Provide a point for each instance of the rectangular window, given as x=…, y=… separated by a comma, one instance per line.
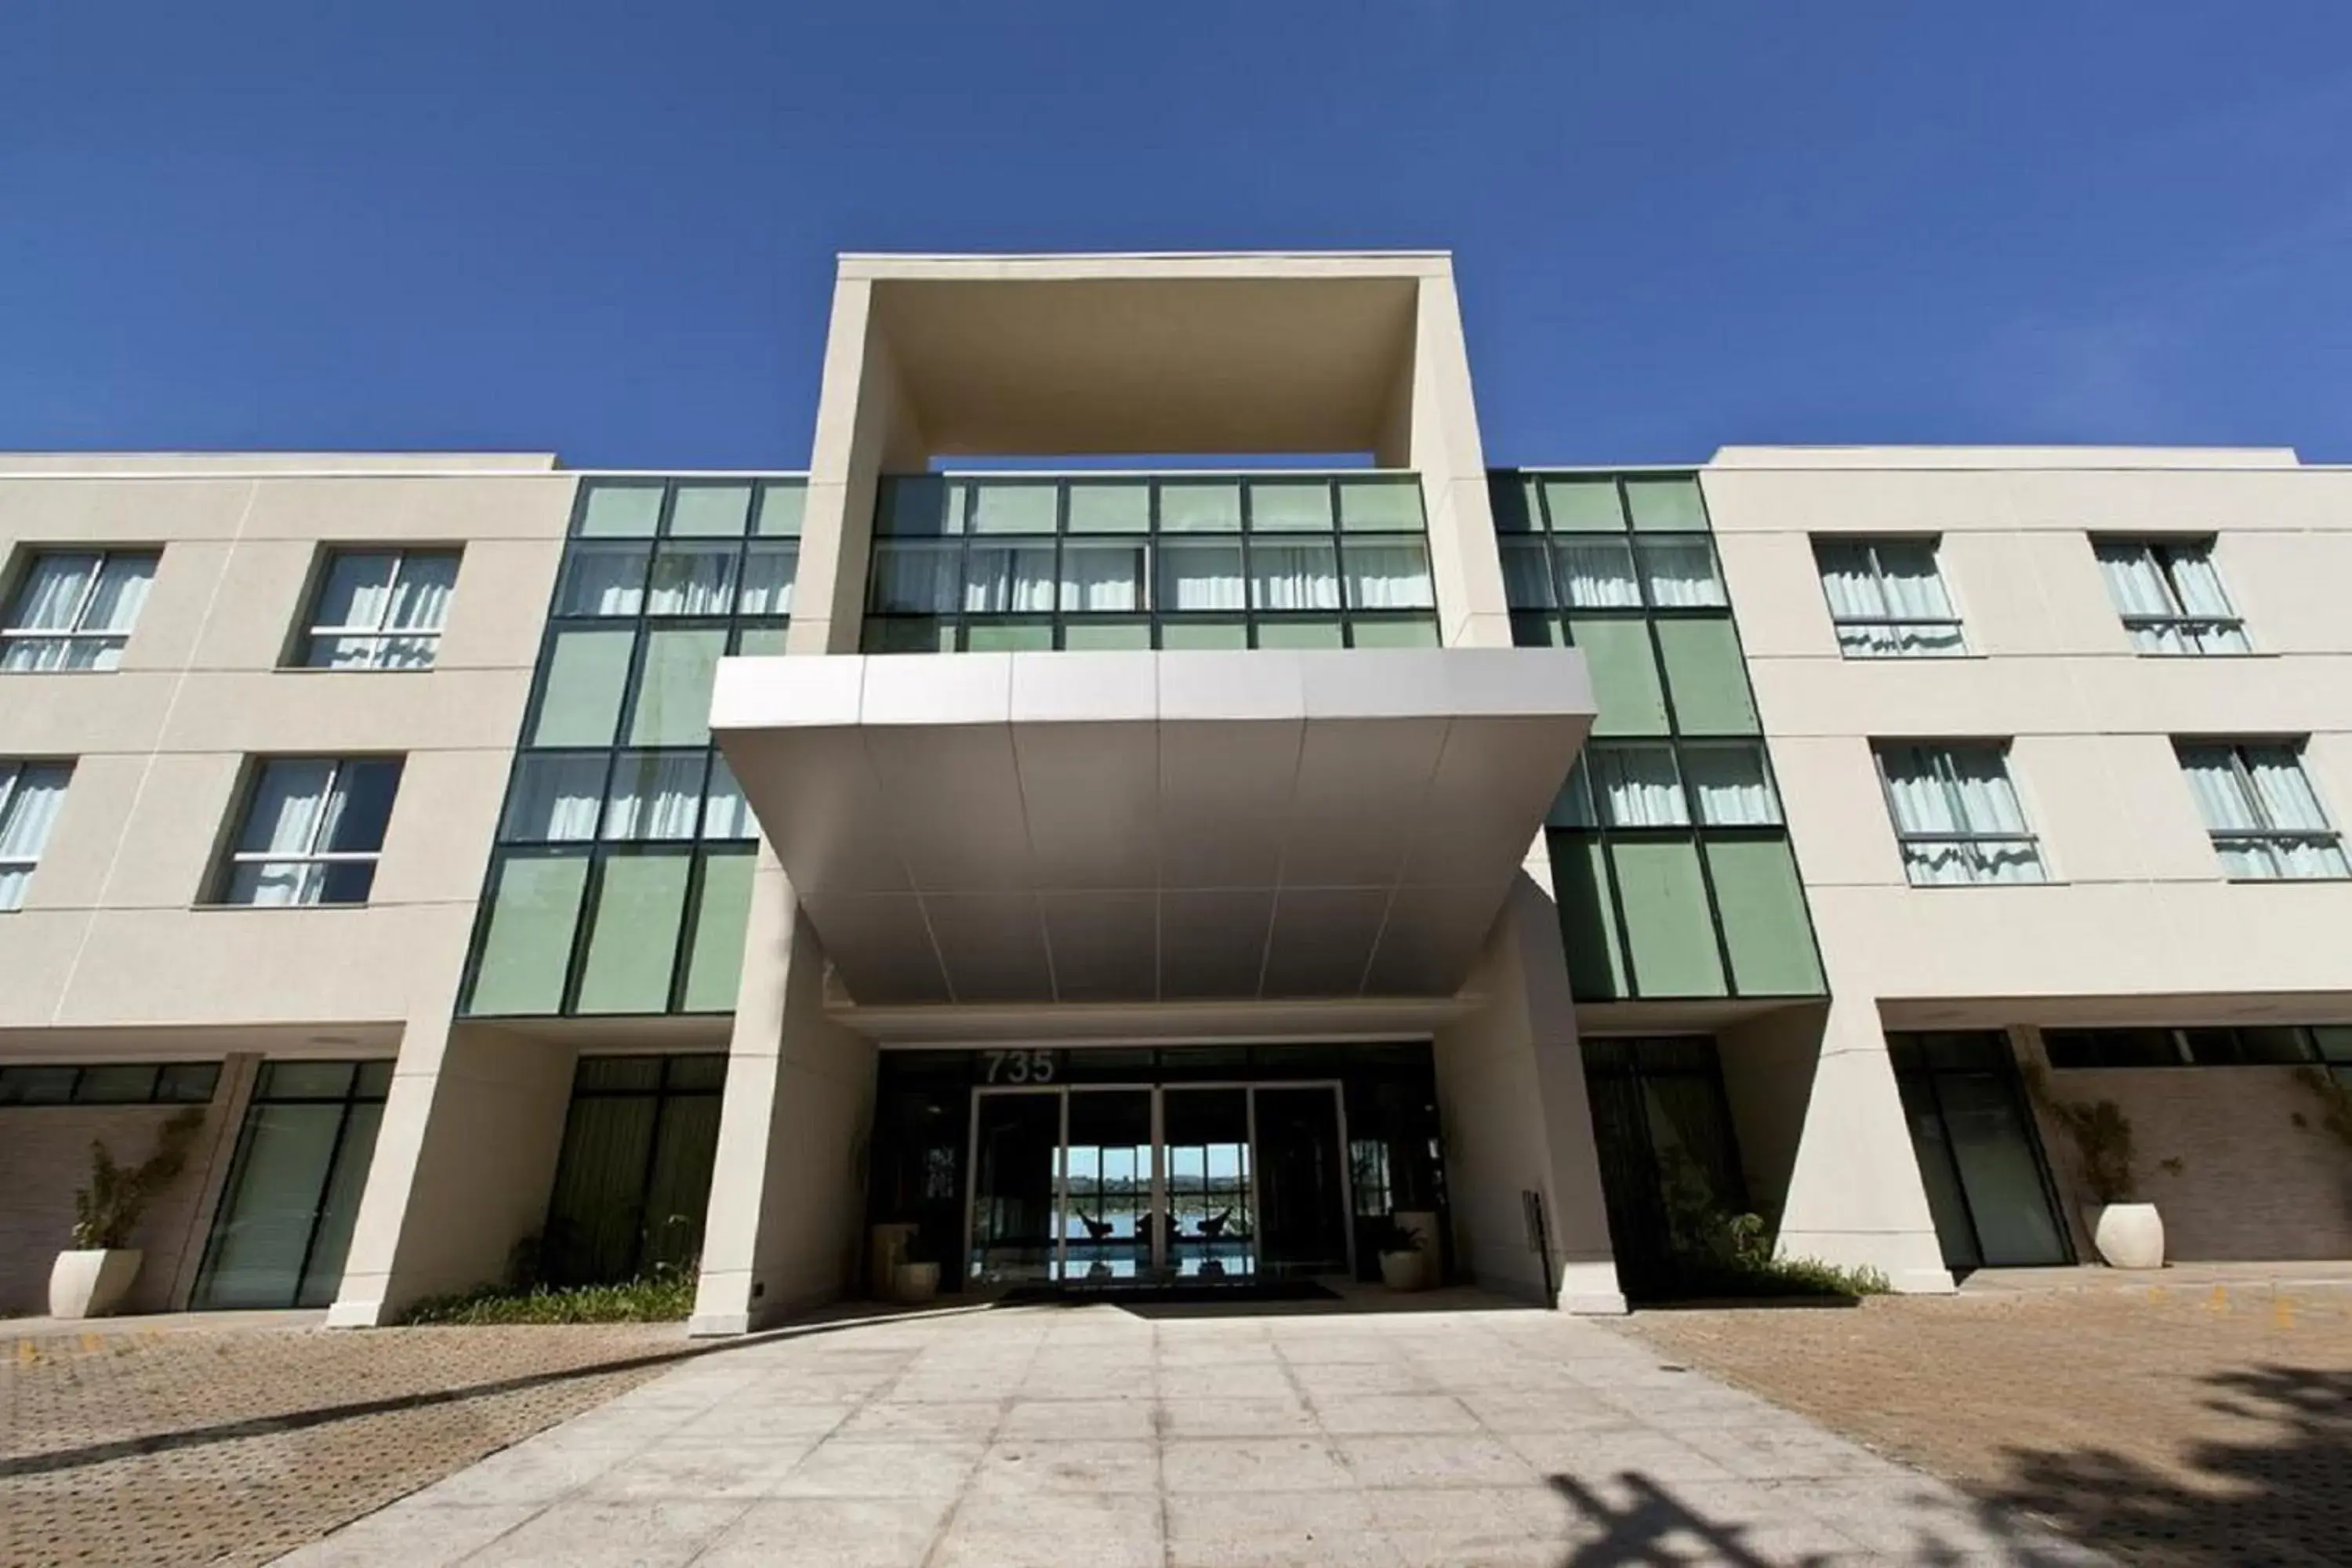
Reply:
x=2259, y=1045
x=379, y=609
x=75, y=609
x=2169, y=596
x=2265, y=818
x=1955, y=813
x=31, y=794
x=110, y=1083
x=312, y=830
x=1886, y=598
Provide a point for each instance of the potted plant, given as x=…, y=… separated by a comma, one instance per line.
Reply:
x=1403, y=1268
x=914, y=1277
x=91, y=1279
x=2127, y=1233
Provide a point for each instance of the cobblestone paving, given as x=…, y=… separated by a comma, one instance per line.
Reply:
x=2206, y=1426
x=123, y=1446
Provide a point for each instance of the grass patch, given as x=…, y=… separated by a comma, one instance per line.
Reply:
x=665, y=1298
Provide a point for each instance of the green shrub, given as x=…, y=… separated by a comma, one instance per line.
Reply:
x=667, y=1296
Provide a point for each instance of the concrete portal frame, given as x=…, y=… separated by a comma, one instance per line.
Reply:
x=939, y=357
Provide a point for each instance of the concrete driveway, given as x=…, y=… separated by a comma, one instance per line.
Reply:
x=1096, y=1435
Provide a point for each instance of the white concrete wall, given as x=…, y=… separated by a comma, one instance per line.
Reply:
x=2137, y=920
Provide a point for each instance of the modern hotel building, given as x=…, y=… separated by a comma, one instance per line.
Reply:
x=1121, y=875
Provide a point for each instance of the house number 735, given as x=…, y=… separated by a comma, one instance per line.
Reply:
x=1020, y=1066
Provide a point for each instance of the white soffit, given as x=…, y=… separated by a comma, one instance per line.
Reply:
x=1138, y=827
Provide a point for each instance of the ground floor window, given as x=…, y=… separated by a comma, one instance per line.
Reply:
x=632, y=1182
x=284, y=1223
x=1670, y=1172
x=1988, y=1185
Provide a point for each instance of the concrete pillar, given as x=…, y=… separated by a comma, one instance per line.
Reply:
x=1510, y=1087
x=464, y=1162
x=1823, y=1137
x=788, y=1190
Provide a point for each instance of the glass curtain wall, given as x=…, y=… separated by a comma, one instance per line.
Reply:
x=284, y=1223
x=1670, y=860
x=623, y=875
x=1670, y=1172
x=977, y=564
x=1988, y=1185
x=632, y=1182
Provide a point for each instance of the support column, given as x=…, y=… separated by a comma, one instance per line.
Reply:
x=1510, y=1086
x=788, y=1189
x=464, y=1159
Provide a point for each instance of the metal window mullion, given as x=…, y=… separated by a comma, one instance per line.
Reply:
x=10, y=773
x=2244, y=776
x=89, y=592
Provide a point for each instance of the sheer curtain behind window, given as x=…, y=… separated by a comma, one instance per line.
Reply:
x=2266, y=820
x=1009, y=580
x=1102, y=578
x=918, y=579
x=1680, y=574
x=1733, y=785
x=555, y=799
x=1200, y=577
x=1638, y=786
x=30, y=796
x=1597, y=573
x=1958, y=816
x=1294, y=577
x=1388, y=577
x=1887, y=598
x=290, y=801
x=655, y=795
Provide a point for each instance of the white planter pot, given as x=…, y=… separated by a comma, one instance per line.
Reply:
x=2128, y=1235
x=1402, y=1270
x=92, y=1284
x=915, y=1282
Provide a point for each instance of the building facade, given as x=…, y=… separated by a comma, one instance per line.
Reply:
x=1160, y=873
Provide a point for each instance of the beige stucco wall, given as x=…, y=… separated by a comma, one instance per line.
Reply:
x=2137, y=924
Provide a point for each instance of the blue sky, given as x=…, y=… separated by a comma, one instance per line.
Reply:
x=607, y=229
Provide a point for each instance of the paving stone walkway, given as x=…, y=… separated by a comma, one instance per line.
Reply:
x=123, y=1443
x=1096, y=1435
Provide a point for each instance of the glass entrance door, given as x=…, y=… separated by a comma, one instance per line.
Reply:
x=1110, y=1172
x=1016, y=1209
x=1212, y=1228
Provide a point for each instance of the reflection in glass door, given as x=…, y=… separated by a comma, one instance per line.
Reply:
x=1302, y=1198
x=1988, y=1190
x=1212, y=1226
x=1017, y=1143
x=1109, y=1175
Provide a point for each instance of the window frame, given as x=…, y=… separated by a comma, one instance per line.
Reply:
x=2162, y=552
x=231, y=857
x=1947, y=779
x=73, y=631
x=1870, y=544
x=159, y=1073
x=12, y=773
x=2181, y=1053
x=312, y=633
x=2269, y=835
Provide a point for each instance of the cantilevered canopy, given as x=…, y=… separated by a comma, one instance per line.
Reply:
x=1152, y=826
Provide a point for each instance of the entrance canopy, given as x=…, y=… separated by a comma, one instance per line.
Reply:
x=1140, y=826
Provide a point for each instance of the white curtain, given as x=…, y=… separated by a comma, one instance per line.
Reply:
x=30, y=796
x=1681, y=573
x=725, y=815
x=1009, y=580
x=421, y=603
x=1887, y=598
x=2257, y=817
x=1597, y=575
x=1638, y=786
x=604, y=580
x=1389, y=578
x=655, y=795
x=1294, y=577
x=1527, y=575
x=768, y=573
x=1102, y=578
x=293, y=811
x=357, y=591
x=52, y=594
x=1733, y=785
x=918, y=579
x=2139, y=586
x=2199, y=585
x=1961, y=790
x=555, y=799
x=692, y=580
x=1200, y=577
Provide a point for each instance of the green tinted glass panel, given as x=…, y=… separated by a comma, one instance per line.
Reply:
x=1279, y=506
x=1704, y=674
x=1106, y=634
x=373, y=1081
x=115, y=1085
x=1300, y=634
x=782, y=501
x=634, y=937
x=586, y=672
x=1008, y=636
x=304, y=1080
x=916, y=505
x=1667, y=505
x=710, y=511
x=528, y=946
x=908, y=634
x=1763, y=912
x=1528, y=630
x=1014, y=506
x=1583, y=506
x=1199, y=507
x=1667, y=926
x=1513, y=501
x=756, y=640
x=1588, y=923
x=1624, y=674
x=620, y=509
x=714, y=961
x=673, y=701
x=1421, y=633
x=1191, y=632
x=1110, y=506
x=1385, y=506
x=617, y=1075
